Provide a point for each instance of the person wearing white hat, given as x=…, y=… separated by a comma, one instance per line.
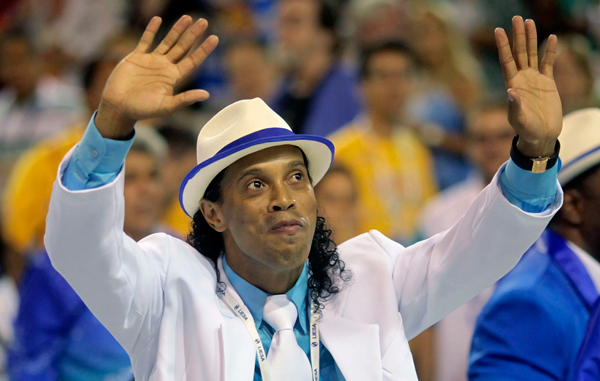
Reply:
x=259, y=291
x=534, y=323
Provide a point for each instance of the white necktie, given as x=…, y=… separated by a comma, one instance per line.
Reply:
x=287, y=361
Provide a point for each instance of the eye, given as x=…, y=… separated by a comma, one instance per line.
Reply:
x=297, y=176
x=255, y=184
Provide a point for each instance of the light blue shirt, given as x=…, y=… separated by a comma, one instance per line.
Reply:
x=255, y=299
x=97, y=161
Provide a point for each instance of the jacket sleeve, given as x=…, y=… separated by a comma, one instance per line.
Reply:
x=435, y=276
x=518, y=338
x=120, y=280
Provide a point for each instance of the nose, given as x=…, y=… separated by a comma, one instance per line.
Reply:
x=282, y=198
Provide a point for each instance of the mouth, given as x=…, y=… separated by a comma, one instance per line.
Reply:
x=287, y=226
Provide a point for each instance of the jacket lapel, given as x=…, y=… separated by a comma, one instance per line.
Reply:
x=354, y=346
x=239, y=354
x=572, y=267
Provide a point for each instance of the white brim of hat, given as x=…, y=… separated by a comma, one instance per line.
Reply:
x=319, y=152
x=578, y=165
x=580, y=143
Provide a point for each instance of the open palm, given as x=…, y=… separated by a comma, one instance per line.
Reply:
x=534, y=109
x=142, y=85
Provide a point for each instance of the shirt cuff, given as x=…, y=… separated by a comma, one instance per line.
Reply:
x=531, y=192
x=96, y=161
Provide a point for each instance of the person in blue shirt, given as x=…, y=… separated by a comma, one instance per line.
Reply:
x=256, y=229
x=318, y=93
x=533, y=325
x=56, y=335
x=587, y=364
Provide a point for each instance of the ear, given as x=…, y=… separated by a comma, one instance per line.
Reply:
x=213, y=215
x=573, y=207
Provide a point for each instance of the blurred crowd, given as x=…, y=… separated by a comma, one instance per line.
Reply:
x=410, y=92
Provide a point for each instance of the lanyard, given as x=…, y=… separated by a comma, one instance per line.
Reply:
x=240, y=310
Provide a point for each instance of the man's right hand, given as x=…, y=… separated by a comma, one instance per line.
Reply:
x=142, y=85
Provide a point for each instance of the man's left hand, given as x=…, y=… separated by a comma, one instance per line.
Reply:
x=534, y=109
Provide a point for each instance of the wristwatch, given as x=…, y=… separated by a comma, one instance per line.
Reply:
x=534, y=164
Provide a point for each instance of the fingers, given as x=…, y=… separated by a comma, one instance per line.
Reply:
x=532, y=44
x=519, y=43
x=524, y=53
x=509, y=68
x=547, y=67
x=187, y=98
x=167, y=43
x=195, y=59
x=148, y=36
x=188, y=40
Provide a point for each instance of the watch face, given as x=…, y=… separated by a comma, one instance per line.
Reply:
x=539, y=165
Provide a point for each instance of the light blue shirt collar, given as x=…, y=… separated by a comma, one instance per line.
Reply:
x=255, y=298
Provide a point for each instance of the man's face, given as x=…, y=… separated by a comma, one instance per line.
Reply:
x=298, y=31
x=490, y=136
x=337, y=198
x=143, y=194
x=250, y=72
x=94, y=92
x=268, y=210
x=572, y=82
x=431, y=39
x=383, y=22
x=19, y=67
x=174, y=169
x=387, y=83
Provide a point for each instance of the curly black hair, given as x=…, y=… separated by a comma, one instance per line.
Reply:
x=324, y=263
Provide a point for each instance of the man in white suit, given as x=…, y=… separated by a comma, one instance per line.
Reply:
x=259, y=292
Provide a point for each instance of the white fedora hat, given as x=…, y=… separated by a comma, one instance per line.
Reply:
x=241, y=129
x=579, y=143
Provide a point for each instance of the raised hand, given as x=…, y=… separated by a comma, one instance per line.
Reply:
x=534, y=109
x=142, y=85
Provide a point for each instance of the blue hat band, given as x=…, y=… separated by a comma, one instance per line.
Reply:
x=265, y=133
x=579, y=158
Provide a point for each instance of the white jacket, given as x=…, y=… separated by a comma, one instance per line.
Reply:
x=157, y=297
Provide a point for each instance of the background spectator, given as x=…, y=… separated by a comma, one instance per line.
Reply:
x=179, y=160
x=450, y=87
x=10, y=270
x=488, y=141
x=31, y=108
x=56, y=336
x=337, y=197
x=27, y=192
x=391, y=165
x=534, y=323
x=76, y=28
x=572, y=70
x=587, y=365
x=317, y=95
x=250, y=71
x=379, y=20
x=489, y=137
